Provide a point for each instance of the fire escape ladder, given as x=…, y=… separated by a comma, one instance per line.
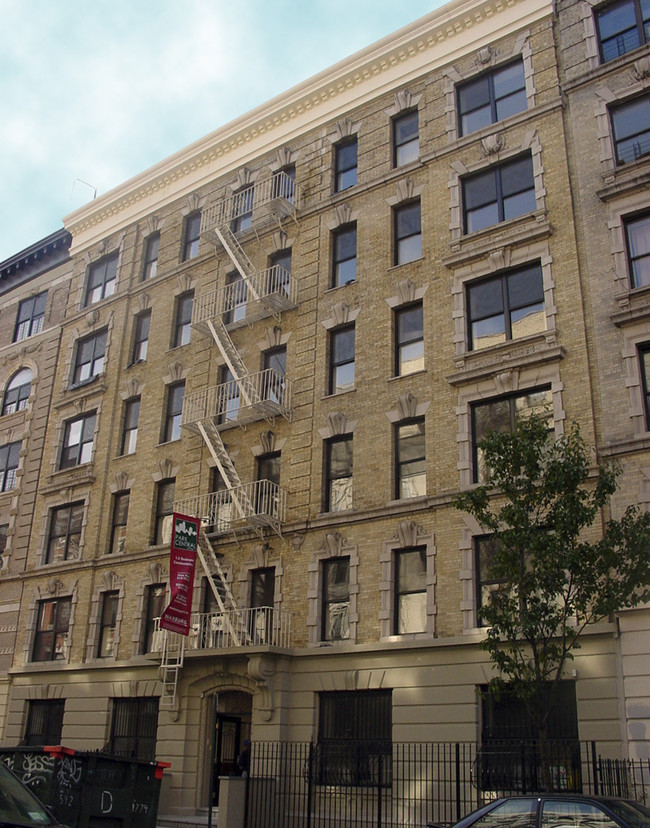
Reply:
x=171, y=662
x=247, y=389
x=237, y=255
x=233, y=617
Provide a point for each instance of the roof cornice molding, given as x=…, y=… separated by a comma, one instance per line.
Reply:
x=433, y=41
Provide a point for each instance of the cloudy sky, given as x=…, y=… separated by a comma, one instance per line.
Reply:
x=93, y=92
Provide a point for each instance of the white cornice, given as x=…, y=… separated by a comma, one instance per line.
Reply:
x=433, y=41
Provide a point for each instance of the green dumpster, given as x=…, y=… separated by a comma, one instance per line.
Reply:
x=90, y=790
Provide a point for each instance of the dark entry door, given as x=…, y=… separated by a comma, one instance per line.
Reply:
x=227, y=749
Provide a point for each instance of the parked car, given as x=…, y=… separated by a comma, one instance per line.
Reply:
x=558, y=811
x=18, y=805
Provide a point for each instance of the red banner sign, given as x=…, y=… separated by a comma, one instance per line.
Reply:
x=182, y=562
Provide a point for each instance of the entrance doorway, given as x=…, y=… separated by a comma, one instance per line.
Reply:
x=232, y=725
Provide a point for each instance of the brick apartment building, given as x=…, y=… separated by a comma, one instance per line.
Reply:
x=298, y=328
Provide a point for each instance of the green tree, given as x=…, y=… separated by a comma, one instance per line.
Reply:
x=559, y=563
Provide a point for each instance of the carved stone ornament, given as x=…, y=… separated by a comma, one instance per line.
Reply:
x=262, y=671
x=333, y=544
x=337, y=422
x=640, y=69
x=91, y=318
x=493, y=144
x=406, y=291
x=484, y=55
x=341, y=313
x=405, y=189
x=267, y=441
x=343, y=214
x=506, y=382
x=407, y=533
x=499, y=259
x=273, y=336
x=283, y=157
x=407, y=405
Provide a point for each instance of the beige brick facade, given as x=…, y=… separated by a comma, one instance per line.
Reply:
x=582, y=356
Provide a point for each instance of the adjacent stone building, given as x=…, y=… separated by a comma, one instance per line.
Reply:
x=298, y=328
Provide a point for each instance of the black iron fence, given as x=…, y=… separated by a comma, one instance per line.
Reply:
x=383, y=785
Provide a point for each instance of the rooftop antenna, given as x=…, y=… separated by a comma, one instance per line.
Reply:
x=81, y=181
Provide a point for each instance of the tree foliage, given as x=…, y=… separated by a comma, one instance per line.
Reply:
x=559, y=563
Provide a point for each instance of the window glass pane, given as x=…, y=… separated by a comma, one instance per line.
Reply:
x=411, y=358
x=508, y=79
x=409, y=249
x=517, y=176
x=579, y=814
x=340, y=495
x=480, y=190
x=519, y=812
x=412, y=613
x=519, y=204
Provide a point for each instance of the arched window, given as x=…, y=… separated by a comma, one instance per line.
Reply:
x=17, y=392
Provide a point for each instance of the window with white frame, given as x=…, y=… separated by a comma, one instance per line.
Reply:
x=64, y=535
x=31, y=314
x=491, y=97
x=89, y=358
x=102, y=276
x=501, y=192
x=17, y=392
x=78, y=436
x=631, y=129
x=506, y=306
x=335, y=599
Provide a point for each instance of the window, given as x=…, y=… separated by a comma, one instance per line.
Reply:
x=44, y=722
x=242, y=209
x=338, y=474
x=236, y=298
x=130, y=432
x=268, y=469
x=355, y=737
x=262, y=603
x=51, y=639
x=485, y=548
x=9, y=459
x=335, y=596
x=64, y=537
x=410, y=459
x=89, y=358
x=155, y=603
x=151, y=248
x=228, y=396
x=134, y=727
x=141, y=337
x=183, y=322
x=222, y=509
x=406, y=139
x=164, y=511
x=101, y=279
x=408, y=233
x=622, y=26
x=17, y=392
x=345, y=165
x=344, y=256
x=118, y=522
x=4, y=529
x=631, y=129
x=410, y=590
x=275, y=360
x=509, y=758
x=409, y=340
x=341, y=360
x=31, y=314
x=283, y=183
x=491, y=96
x=500, y=193
x=280, y=263
x=506, y=307
x=174, y=413
x=501, y=415
x=637, y=233
x=192, y=235
x=107, y=625
x=78, y=441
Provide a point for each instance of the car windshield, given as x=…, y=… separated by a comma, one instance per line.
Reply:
x=18, y=806
x=635, y=814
